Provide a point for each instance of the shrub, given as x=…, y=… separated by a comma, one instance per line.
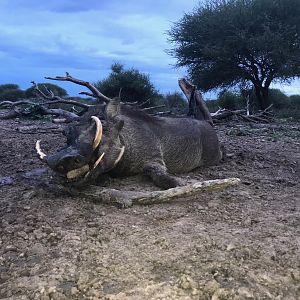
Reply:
x=8, y=86
x=12, y=95
x=213, y=105
x=134, y=85
x=279, y=99
x=176, y=103
x=295, y=101
x=229, y=100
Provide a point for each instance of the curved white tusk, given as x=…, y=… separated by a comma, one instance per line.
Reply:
x=120, y=155
x=98, y=160
x=39, y=151
x=95, y=165
x=98, y=134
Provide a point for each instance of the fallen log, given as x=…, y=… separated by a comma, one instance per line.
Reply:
x=128, y=198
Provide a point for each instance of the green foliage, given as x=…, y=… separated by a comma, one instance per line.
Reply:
x=229, y=42
x=57, y=90
x=10, y=92
x=295, y=101
x=278, y=99
x=230, y=100
x=133, y=85
x=212, y=105
x=176, y=103
x=8, y=86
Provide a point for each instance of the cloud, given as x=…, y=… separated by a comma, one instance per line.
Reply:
x=41, y=38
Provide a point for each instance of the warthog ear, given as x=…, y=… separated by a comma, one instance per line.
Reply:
x=113, y=108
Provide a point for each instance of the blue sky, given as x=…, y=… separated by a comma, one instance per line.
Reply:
x=47, y=38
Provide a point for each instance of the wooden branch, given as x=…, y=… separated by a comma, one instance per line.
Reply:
x=69, y=116
x=87, y=94
x=66, y=115
x=72, y=102
x=56, y=99
x=12, y=104
x=143, y=103
x=93, y=89
x=129, y=198
x=152, y=107
x=195, y=98
x=165, y=113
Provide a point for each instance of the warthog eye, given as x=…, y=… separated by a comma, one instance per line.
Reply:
x=60, y=168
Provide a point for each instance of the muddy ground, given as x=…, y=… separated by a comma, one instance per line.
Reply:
x=239, y=243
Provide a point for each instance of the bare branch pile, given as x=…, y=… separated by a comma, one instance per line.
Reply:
x=43, y=105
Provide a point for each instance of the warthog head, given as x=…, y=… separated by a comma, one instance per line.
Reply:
x=92, y=149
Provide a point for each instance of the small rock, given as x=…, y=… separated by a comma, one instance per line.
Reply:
x=230, y=247
x=248, y=221
x=29, y=195
x=212, y=286
x=23, y=235
x=186, y=282
x=11, y=248
x=39, y=234
x=74, y=291
x=221, y=294
x=51, y=289
x=245, y=293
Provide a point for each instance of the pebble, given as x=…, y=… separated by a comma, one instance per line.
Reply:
x=11, y=248
x=74, y=291
x=245, y=293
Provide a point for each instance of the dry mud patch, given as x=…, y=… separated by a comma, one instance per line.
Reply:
x=240, y=243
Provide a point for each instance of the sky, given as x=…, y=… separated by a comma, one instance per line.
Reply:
x=48, y=38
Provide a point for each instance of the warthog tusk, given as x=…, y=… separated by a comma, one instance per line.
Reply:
x=98, y=134
x=95, y=165
x=120, y=155
x=98, y=160
x=39, y=151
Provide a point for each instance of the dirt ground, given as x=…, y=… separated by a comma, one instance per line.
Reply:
x=239, y=243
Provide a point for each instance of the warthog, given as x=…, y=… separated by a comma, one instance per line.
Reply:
x=128, y=141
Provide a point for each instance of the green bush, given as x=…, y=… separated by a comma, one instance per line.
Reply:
x=279, y=99
x=229, y=100
x=212, y=105
x=57, y=90
x=288, y=113
x=133, y=85
x=295, y=101
x=176, y=103
x=8, y=86
x=12, y=95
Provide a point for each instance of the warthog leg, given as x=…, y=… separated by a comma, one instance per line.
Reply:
x=160, y=176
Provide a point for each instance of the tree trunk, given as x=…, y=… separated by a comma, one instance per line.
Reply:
x=262, y=96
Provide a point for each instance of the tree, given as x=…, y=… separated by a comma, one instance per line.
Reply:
x=176, y=103
x=10, y=92
x=230, y=100
x=57, y=90
x=8, y=86
x=131, y=84
x=229, y=42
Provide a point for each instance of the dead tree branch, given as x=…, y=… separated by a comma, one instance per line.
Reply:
x=264, y=116
x=93, y=89
x=129, y=198
x=153, y=107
